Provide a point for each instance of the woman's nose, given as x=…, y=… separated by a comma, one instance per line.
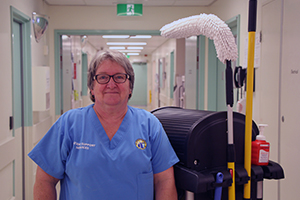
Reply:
x=111, y=83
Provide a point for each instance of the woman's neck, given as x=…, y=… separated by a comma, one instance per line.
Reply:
x=110, y=113
x=110, y=119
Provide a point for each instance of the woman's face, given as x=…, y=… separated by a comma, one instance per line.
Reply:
x=111, y=93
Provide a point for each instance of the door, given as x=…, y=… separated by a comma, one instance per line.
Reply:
x=221, y=89
x=67, y=74
x=18, y=101
x=172, y=74
x=159, y=81
x=139, y=95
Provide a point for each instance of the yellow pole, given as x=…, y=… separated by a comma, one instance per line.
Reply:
x=249, y=96
x=249, y=103
x=231, y=189
x=150, y=96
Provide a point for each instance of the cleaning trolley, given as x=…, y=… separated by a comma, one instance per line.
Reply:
x=213, y=145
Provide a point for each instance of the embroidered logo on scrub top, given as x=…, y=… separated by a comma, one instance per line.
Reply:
x=141, y=144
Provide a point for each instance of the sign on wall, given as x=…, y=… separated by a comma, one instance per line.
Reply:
x=129, y=9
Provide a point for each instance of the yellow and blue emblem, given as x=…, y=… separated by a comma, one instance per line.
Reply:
x=141, y=144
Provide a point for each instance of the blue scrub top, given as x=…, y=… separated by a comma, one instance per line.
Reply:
x=77, y=151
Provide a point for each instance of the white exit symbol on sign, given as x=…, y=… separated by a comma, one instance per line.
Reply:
x=130, y=9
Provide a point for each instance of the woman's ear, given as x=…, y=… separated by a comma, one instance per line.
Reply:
x=130, y=93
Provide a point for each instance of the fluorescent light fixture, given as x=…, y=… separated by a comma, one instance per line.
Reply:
x=116, y=47
x=133, y=54
x=140, y=36
x=130, y=50
x=115, y=36
x=135, y=47
x=126, y=43
x=64, y=37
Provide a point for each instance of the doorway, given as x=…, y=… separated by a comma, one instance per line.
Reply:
x=139, y=96
x=57, y=53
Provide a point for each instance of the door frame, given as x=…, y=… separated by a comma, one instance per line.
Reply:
x=18, y=16
x=26, y=101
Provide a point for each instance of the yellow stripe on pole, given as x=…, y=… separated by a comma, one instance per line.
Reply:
x=249, y=105
x=231, y=189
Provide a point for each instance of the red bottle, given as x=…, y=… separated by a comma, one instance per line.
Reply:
x=260, y=149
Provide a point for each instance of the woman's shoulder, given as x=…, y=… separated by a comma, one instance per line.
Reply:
x=139, y=111
x=77, y=112
x=142, y=113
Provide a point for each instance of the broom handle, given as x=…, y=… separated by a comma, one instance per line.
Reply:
x=249, y=97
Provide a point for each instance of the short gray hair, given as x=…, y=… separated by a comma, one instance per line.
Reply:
x=114, y=56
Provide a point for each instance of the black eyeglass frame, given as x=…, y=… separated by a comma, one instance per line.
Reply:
x=113, y=77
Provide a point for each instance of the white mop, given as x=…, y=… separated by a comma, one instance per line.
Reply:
x=208, y=25
x=218, y=31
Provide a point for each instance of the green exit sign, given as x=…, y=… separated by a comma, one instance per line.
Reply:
x=130, y=9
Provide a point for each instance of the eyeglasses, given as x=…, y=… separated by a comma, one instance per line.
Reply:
x=105, y=78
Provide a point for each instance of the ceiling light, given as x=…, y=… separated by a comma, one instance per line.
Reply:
x=141, y=36
x=126, y=43
x=64, y=37
x=115, y=36
x=130, y=50
x=135, y=47
x=133, y=54
x=116, y=47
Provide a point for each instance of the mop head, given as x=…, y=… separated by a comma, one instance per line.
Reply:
x=208, y=25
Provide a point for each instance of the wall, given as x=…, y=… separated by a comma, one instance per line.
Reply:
x=289, y=92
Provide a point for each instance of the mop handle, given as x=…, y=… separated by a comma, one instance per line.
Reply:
x=249, y=97
x=230, y=145
x=229, y=101
x=229, y=84
x=218, y=190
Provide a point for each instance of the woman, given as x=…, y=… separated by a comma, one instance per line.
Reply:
x=107, y=150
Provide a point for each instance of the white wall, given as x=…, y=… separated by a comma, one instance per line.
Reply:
x=289, y=103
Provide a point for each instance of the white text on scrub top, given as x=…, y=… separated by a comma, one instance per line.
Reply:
x=83, y=145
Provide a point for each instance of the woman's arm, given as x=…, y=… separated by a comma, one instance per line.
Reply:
x=164, y=185
x=44, y=187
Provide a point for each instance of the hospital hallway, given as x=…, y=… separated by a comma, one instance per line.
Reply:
x=47, y=46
